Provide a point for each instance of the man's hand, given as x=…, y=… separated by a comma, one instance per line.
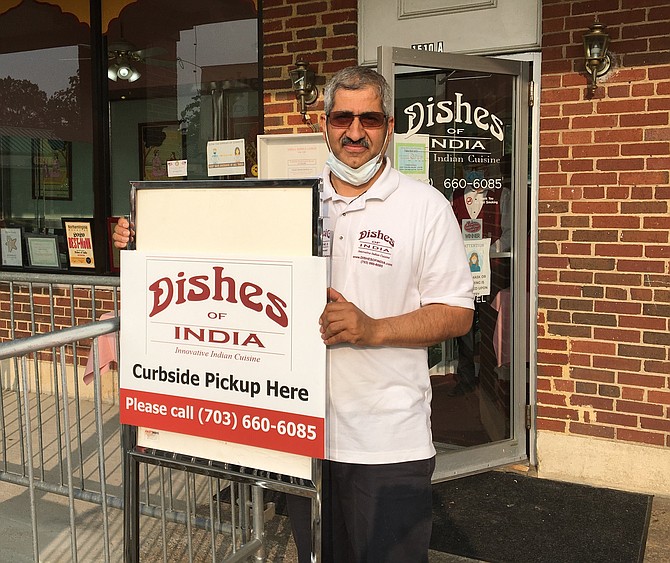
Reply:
x=342, y=321
x=122, y=233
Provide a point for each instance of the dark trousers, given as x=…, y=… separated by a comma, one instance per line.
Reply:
x=371, y=513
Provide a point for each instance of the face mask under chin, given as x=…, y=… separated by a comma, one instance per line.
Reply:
x=355, y=176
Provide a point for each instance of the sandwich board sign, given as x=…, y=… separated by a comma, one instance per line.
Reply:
x=221, y=355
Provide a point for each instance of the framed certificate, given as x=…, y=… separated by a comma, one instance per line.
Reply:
x=11, y=246
x=79, y=239
x=42, y=251
x=159, y=143
x=52, y=169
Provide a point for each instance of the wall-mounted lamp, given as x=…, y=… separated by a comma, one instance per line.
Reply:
x=303, y=83
x=122, y=68
x=598, y=60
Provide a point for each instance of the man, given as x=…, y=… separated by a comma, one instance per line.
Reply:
x=400, y=282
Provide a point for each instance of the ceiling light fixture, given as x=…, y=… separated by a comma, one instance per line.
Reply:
x=122, y=68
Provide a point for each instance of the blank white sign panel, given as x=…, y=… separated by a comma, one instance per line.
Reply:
x=269, y=221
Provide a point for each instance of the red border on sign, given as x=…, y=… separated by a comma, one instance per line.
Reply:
x=263, y=428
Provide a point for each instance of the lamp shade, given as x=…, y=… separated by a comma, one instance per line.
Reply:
x=595, y=43
x=112, y=72
x=302, y=80
x=123, y=69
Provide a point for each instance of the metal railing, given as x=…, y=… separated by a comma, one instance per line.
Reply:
x=113, y=501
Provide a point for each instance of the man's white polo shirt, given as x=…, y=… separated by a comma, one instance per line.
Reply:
x=393, y=249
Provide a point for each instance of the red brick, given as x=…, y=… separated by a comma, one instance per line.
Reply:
x=338, y=17
x=658, y=163
x=632, y=407
x=645, y=119
x=651, y=366
x=577, y=137
x=655, y=424
x=659, y=73
x=339, y=41
x=645, y=149
x=618, y=91
x=597, y=375
x=616, y=335
x=638, y=436
x=549, y=152
x=592, y=207
x=544, y=411
x=601, y=121
x=615, y=363
x=632, y=394
x=551, y=399
x=645, y=90
x=595, y=430
x=621, y=106
x=659, y=397
x=646, y=178
x=620, y=163
x=658, y=134
x=656, y=223
x=615, y=222
x=554, y=124
x=551, y=425
x=576, y=165
x=595, y=150
x=564, y=95
x=658, y=103
x=617, y=419
x=300, y=21
x=618, y=135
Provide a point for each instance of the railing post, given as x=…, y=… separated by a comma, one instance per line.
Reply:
x=131, y=496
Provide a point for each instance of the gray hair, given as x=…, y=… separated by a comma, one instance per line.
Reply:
x=355, y=78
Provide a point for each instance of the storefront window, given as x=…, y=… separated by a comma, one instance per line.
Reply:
x=193, y=79
x=85, y=111
x=45, y=130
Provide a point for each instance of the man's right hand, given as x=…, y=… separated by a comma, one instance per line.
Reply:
x=122, y=233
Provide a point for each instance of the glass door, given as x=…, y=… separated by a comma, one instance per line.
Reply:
x=461, y=124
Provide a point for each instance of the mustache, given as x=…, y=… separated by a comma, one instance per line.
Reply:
x=349, y=141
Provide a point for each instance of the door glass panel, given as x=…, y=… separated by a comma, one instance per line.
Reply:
x=455, y=129
x=45, y=127
x=192, y=77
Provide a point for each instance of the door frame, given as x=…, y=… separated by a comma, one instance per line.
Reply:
x=479, y=458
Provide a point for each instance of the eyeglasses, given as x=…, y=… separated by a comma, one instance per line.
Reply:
x=368, y=119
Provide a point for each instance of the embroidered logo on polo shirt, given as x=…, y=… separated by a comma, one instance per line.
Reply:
x=325, y=242
x=375, y=248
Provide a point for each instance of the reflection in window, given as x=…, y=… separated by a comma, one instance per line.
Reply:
x=45, y=119
x=198, y=82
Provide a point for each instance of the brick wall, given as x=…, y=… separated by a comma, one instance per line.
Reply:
x=40, y=309
x=320, y=32
x=604, y=222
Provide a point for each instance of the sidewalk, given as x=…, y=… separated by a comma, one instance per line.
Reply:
x=16, y=539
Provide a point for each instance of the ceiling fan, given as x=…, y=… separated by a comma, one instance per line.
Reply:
x=123, y=58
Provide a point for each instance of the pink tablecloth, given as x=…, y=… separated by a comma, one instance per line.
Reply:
x=106, y=353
